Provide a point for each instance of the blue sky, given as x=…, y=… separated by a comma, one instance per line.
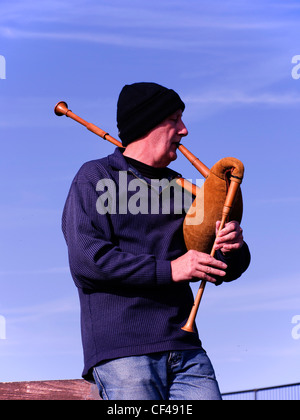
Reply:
x=231, y=62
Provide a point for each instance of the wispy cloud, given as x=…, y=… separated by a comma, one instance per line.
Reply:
x=266, y=295
x=293, y=200
x=49, y=327
x=244, y=98
x=234, y=41
x=116, y=39
x=232, y=15
x=37, y=312
x=41, y=271
x=158, y=25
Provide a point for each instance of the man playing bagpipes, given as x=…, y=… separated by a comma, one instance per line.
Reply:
x=131, y=265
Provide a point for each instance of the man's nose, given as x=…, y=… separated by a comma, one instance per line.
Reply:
x=182, y=130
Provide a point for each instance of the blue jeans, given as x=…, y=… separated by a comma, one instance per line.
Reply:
x=174, y=375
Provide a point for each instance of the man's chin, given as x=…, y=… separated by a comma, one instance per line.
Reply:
x=170, y=157
x=173, y=156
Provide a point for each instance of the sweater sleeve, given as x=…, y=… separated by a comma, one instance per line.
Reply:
x=96, y=262
x=237, y=263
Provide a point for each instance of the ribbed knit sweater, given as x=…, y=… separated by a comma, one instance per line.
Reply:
x=120, y=263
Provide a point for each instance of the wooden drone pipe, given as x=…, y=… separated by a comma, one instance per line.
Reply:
x=61, y=108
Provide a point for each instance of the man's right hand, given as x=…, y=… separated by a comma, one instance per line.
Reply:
x=195, y=266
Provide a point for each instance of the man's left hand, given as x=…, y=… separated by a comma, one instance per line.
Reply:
x=230, y=238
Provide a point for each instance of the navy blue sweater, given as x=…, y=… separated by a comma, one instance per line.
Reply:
x=120, y=264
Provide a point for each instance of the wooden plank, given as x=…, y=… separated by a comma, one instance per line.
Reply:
x=49, y=390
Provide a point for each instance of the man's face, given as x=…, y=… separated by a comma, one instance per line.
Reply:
x=166, y=138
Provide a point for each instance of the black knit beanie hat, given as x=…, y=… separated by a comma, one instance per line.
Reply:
x=142, y=106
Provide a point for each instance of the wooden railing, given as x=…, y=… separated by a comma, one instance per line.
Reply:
x=49, y=390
